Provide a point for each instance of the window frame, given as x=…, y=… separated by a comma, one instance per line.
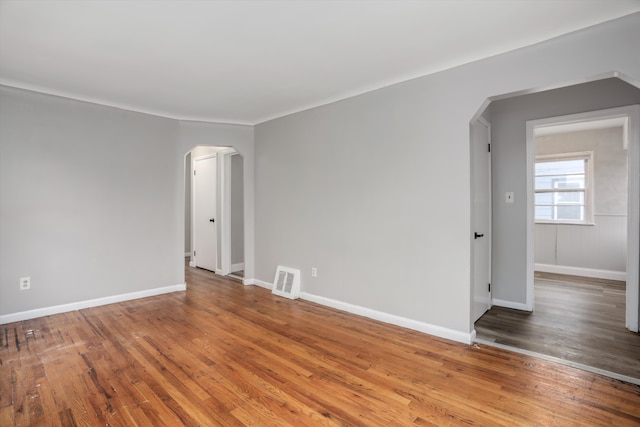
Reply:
x=587, y=157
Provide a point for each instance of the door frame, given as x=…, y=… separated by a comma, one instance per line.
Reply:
x=192, y=263
x=488, y=233
x=224, y=198
x=632, y=114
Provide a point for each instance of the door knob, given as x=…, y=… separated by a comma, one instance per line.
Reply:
x=212, y=220
x=477, y=235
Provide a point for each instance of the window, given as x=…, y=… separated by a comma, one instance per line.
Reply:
x=563, y=188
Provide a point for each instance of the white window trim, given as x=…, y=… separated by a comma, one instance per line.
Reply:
x=588, y=190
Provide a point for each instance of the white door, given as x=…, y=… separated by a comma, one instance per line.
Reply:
x=481, y=190
x=205, y=241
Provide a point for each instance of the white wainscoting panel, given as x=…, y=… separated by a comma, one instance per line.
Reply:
x=545, y=243
x=602, y=246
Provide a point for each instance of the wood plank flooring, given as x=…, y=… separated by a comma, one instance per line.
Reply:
x=225, y=354
x=577, y=319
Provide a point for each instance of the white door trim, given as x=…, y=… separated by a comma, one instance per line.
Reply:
x=632, y=113
x=225, y=213
x=490, y=224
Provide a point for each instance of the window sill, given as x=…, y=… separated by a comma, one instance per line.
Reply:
x=590, y=224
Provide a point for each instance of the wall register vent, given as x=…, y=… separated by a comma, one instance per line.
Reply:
x=287, y=282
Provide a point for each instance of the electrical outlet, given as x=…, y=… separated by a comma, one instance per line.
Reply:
x=25, y=283
x=314, y=272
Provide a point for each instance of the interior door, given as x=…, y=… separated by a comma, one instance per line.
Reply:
x=204, y=226
x=481, y=190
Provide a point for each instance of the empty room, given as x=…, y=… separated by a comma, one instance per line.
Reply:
x=300, y=213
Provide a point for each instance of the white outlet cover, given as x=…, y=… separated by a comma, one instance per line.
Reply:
x=508, y=197
x=25, y=283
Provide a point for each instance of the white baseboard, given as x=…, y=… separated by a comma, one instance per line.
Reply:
x=438, y=331
x=511, y=304
x=187, y=254
x=46, y=311
x=584, y=272
x=258, y=282
x=192, y=264
x=218, y=271
x=237, y=267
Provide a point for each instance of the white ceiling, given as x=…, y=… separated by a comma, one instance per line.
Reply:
x=250, y=61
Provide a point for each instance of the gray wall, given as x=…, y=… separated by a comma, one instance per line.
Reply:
x=374, y=190
x=87, y=201
x=603, y=245
x=92, y=198
x=237, y=210
x=508, y=119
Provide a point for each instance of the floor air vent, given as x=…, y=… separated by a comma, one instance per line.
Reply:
x=287, y=282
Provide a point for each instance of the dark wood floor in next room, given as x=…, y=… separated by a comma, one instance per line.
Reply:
x=577, y=319
x=226, y=354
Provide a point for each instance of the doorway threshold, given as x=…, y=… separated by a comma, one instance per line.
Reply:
x=594, y=370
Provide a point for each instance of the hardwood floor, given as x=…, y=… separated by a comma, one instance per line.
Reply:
x=225, y=354
x=577, y=319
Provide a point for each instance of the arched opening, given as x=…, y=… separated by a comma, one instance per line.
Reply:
x=225, y=224
x=512, y=118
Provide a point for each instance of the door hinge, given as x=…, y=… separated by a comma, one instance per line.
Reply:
x=194, y=253
x=489, y=287
x=194, y=172
x=489, y=147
